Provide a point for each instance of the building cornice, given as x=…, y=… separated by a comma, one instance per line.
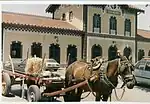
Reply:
x=110, y=36
x=40, y=29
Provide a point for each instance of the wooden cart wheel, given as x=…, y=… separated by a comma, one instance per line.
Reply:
x=33, y=93
x=6, y=84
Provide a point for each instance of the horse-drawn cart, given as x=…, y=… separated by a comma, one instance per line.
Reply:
x=41, y=82
x=49, y=83
x=35, y=84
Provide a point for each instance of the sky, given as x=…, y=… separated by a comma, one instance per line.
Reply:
x=144, y=18
x=39, y=9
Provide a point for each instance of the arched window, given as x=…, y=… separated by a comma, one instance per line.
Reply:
x=141, y=53
x=36, y=49
x=112, y=52
x=127, y=52
x=96, y=23
x=54, y=52
x=71, y=53
x=113, y=25
x=127, y=27
x=70, y=16
x=16, y=49
x=96, y=51
x=63, y=16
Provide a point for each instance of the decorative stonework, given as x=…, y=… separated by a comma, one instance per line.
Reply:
x=113, y=9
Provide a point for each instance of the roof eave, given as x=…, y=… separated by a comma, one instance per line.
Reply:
x=138, y=10
x=125, y=6
x=30, y=27
x=52, y=8
x=142, y=11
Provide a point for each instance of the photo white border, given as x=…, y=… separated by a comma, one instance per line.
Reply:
x=69, y=2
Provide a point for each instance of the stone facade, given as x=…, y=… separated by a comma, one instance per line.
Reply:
x=88, y=31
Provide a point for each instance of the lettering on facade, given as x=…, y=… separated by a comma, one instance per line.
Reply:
x=113, y=9
x=113, y=12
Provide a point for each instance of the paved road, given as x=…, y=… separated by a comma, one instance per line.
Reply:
x=138, y=94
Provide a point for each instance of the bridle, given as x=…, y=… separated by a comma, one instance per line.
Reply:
x=118, y=72
x=109, y=83
x=128, y=77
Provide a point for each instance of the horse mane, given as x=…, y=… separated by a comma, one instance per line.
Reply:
x=111, y=62
x=84, y=61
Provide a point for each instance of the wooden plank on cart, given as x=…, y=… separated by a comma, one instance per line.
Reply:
x=21, y=75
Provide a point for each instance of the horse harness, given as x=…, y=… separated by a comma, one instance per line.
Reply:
x=103, y=77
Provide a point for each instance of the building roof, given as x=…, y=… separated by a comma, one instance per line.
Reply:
x=51, y=8
x=32, y=20
x=135, y=8
x=143, y=33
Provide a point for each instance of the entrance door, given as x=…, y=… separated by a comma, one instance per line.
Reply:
x=36, y=49
x=96, y=51
x=127, y=52
x=112, y=52
x=71, y=54
x=54, y=52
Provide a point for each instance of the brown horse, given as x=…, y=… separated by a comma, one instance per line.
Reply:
x=105, y=79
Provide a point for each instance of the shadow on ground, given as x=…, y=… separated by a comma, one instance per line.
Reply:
x=143, y=87
x=17, y=92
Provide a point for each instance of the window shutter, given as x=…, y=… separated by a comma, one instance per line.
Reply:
x=110, y=24
x=93, y=22
x=99, y=24
x=115, y=25
x=125, y=28
x=130, y=27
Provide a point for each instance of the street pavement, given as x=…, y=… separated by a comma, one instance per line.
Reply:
x=137, y=94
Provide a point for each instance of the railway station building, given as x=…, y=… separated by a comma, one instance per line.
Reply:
x=75, y=32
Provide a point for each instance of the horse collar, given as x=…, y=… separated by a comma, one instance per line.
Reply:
x=103, y=77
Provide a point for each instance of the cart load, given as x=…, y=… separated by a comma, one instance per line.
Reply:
x=33, y=66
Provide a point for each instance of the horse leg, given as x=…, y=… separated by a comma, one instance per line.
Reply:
x=105, y=97
x=69, y=96
x=79, y=93
x=98, y=96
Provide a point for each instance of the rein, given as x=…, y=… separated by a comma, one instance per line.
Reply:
x=121, y=94
x=110, y=83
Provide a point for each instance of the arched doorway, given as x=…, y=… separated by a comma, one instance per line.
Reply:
x=16, y=49
x=71, y=54
x=127, y=52
x=141, y=53
x=36, y=49
x=96, y=51
x=54, y=52
x=112, y=52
